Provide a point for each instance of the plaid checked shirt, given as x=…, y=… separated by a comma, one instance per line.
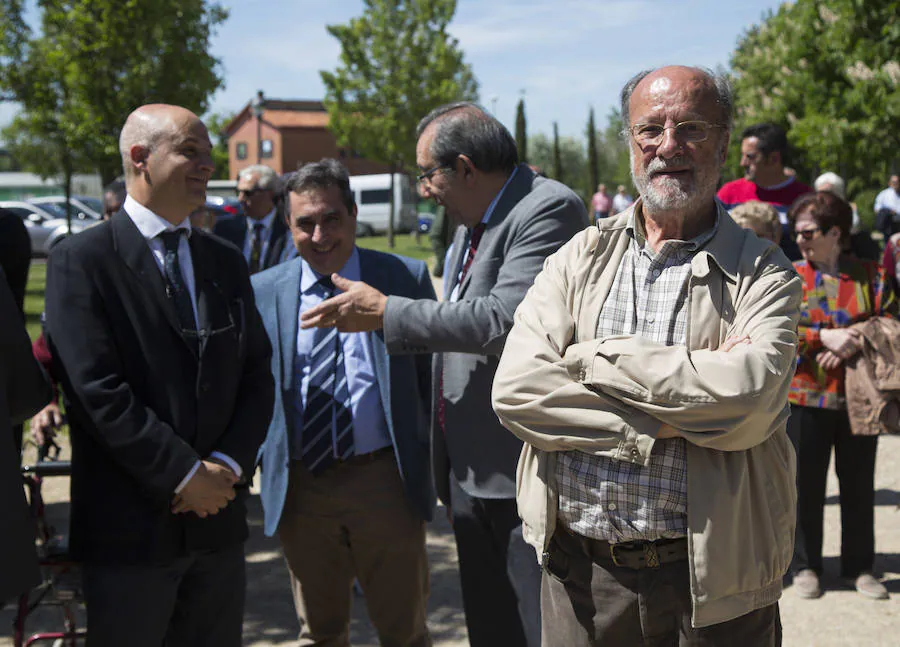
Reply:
x=617, y=501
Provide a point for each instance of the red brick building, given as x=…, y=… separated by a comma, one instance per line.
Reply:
x=289, y=132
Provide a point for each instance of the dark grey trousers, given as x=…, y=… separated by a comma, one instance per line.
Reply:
x=499, y=572
x=586, y=604
x=194, y=601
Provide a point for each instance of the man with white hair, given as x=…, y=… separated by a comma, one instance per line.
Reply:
x=165, y=366
x=647, y=372
x=261, y=232
x=887, y=207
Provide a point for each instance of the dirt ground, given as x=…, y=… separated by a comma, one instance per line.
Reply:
x=840, y=618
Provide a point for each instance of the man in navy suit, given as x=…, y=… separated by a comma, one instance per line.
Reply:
x=346, y=481
x=260, y=233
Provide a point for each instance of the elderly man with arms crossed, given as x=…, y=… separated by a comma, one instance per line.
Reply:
x=647, y=372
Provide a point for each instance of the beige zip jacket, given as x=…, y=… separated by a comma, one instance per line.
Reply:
x=559, y=388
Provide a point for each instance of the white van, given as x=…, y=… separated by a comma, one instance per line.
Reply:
x=373, y=202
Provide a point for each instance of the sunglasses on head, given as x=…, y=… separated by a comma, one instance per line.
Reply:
x=247, y=192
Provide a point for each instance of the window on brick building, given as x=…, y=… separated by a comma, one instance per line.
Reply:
x=266, y=147
x=241, y=150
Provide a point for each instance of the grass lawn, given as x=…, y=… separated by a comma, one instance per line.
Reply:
x=34, y=296
x=405, y=245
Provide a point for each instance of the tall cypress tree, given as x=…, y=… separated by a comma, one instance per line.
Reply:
x=593, y=164
x=557, y=160
x=521, y=133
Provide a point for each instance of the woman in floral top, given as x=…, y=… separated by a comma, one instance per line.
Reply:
x=838, y=291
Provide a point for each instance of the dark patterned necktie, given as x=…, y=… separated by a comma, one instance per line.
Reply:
x=327, y=417
x=176, y=289
x=256, y=248
x=474, y=239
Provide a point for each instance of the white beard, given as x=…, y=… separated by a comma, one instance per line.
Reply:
x=672, y=194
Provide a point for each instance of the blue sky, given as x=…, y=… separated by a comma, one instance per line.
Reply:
x=565, y=54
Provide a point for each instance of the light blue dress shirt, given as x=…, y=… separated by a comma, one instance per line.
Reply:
x=454, y=296
x=370, y=431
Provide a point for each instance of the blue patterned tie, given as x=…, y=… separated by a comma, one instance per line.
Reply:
x=327, y=417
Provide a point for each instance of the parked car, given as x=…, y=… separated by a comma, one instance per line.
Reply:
x=44, y=226
x=223, y=207
x=373, y=203
x=80, y=206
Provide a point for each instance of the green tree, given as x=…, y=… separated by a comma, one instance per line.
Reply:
x=613, y=150
x=216, y=123
x=521, y=132
x=829, y=73
x=571, y=155
x=557, y=158
x=398, y=62
x=593, y=178
x=93, y=62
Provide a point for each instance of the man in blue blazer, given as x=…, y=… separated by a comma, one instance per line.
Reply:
x=346, y=481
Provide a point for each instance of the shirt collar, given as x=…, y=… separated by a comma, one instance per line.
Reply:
x=493, y=204
x=150, y=224
x=266, y=221
x=634, y=227
x=309, y=277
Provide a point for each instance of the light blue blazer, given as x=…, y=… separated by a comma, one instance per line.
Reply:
x=403, y=380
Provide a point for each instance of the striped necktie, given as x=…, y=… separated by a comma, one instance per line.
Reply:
x=327, y=417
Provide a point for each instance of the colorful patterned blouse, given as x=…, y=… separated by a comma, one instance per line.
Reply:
x=861, y=291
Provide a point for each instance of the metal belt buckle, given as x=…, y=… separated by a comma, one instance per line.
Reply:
x=612, y=553
x=651, y=556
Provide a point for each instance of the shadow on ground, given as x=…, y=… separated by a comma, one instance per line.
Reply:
x=883, y=496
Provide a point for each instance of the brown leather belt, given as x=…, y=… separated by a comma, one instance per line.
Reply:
x=633, y=554
x=365, y=459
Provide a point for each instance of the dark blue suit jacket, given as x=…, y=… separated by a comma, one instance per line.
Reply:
x=404, y=381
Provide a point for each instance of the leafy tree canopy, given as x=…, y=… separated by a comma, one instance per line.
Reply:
x=94, y=62
x=398, y=62
x=829, y=73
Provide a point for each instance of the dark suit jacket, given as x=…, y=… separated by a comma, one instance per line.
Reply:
x=404, y=382
x=15, y=254
x=142, y=407
x=532, y=219
x=234, y=230
x=24, y=390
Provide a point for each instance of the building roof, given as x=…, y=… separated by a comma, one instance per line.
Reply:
x=285, y=119
x=284, y=113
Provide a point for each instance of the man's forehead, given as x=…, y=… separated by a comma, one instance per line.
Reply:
x=316, y=202
x=251, y=178
x=423, y=146
x=690, y=88
x=196, y=136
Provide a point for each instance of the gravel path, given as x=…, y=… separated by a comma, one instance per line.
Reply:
x=840, y=618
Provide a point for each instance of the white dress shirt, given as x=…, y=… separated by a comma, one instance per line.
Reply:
x=151, y=226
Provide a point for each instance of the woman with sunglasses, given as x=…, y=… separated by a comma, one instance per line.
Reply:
x=838, y=292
